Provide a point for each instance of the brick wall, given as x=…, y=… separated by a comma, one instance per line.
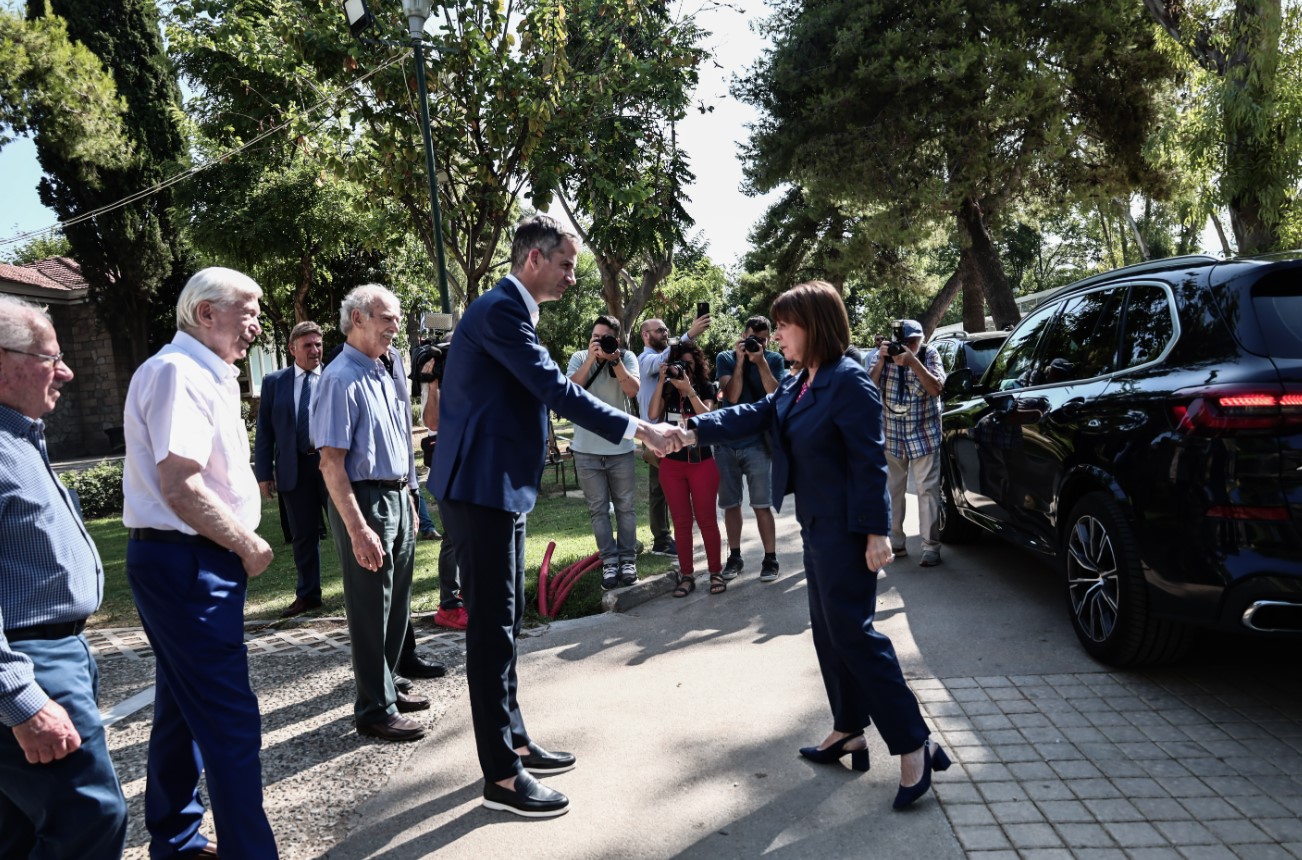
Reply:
x=93, y=400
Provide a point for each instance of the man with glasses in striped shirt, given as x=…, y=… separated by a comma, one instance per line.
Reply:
x=58, y=789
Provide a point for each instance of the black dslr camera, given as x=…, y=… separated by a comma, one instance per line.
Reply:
x=609, y=344
x=753, y=345
x=896, y=346
x=420, y=356
x=674, y=366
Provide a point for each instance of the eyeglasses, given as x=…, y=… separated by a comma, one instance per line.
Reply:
x=52, y=359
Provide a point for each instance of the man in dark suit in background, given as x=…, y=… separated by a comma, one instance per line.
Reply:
x=497, y=387
x=285, y=460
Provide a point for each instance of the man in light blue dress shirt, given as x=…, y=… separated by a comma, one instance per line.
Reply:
x=362, y=426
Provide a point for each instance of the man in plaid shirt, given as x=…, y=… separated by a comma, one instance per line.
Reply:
x=911, y=383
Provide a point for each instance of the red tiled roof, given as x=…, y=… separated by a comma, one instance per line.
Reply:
x=62, y=270
x=55, y=273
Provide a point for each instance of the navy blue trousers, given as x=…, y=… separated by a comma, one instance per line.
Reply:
x=191, y=603
x=490, y=555
x=860, y=671
x=73, y=807
x=305, y=506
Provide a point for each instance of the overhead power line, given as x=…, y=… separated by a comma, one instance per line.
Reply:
x=191, y=171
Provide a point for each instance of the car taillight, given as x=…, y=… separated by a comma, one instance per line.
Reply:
x=1213, y=411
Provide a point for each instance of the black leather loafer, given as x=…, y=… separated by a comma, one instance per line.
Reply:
x=540, y=762
x=395, y=728
x=530, y=798
x=408, y=703
x=416, y=666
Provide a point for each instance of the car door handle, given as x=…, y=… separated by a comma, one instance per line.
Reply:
x=1072, y=408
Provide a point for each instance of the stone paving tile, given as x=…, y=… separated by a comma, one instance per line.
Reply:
x=1164, y=808
x=968, y=814
x=1065, y=811
x=1134, y=834
x=1157, y=852
x=1185, y=832
x=1207, y=852
x=1031, y=770
x=1016, y=812
x=995, y=792
x=1257, y=806
x=1024, y=836
x=1214, y=808
x=982, y=837
x=1237, y=831
x=1083, y=835
x=1114, y=809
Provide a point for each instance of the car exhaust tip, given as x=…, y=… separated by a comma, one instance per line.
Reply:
x=1273, y=616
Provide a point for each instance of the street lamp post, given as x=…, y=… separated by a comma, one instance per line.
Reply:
x=418, y=12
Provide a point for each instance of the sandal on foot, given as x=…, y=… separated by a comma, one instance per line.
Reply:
x=686, y=585
x=718, y=585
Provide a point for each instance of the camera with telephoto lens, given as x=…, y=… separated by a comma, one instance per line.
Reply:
x=896, y=346
x=421, y=355
x=753, y=344
x=609, y=344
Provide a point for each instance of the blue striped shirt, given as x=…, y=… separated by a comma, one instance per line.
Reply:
x=50, y=571
x=358, y=406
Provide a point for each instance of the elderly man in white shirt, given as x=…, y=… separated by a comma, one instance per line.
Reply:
x=191, y=505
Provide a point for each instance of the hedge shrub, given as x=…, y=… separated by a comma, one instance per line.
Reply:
x=100, y=488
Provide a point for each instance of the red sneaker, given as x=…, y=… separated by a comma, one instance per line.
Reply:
x=453, y=619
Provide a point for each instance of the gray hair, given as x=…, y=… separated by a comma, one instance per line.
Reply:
x=542, y=232
x=362, y=299
x=18, y=322
x=223, y=287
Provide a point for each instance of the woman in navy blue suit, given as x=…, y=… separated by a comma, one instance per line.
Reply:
x=827, y=432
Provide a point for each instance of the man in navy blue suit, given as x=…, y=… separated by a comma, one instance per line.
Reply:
x=285, y=460
x=497, y=387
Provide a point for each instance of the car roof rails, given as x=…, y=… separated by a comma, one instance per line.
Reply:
x=1165, y=264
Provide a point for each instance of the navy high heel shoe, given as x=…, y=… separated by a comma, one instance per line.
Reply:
x=934, y=758
x=835, y=752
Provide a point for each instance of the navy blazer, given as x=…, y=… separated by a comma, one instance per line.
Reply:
x=828, y=448
x=277, y=439
x=497, y=387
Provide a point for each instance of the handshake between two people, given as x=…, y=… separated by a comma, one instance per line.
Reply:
x=664, y=438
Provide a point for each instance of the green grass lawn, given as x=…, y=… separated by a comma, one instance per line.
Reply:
x=556, y=518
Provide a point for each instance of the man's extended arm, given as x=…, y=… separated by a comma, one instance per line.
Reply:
x=367, y=548
x=183, y=489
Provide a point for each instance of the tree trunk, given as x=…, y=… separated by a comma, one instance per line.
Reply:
x=987, y=269
x=974, y=300
x=1220, y=233
x=304, y=284
x=942, y=301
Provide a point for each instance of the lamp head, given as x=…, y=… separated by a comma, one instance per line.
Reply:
x=359, y=16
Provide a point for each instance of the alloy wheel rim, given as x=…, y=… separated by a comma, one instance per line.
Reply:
x=1093, y=581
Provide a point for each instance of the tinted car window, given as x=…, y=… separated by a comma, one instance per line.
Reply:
x=945, y=348
x=1148, y=325
x=1012, y=366
x=979, y=355
x=1082, y=342
x=1277, y=304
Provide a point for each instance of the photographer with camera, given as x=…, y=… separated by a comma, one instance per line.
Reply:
x=655, y=347
x=747, y=374
x=689, y=477
x=911, y=379
x=606, y=469
x=452, y=606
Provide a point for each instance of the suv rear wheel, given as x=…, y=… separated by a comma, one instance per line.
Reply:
x=1106, y=592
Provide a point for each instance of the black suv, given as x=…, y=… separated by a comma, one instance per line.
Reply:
x=1144, y=429
x=958, y=350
